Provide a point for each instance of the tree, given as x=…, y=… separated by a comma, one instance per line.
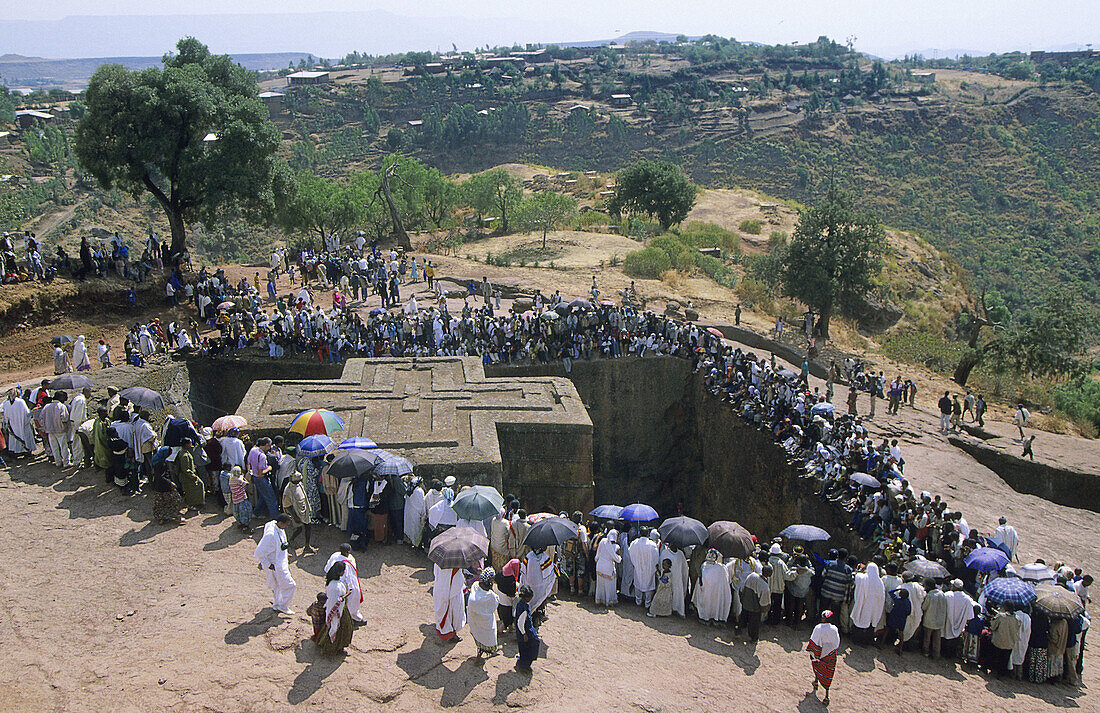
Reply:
x=320, y=207
x=548, y=210
x=146, y=131
x=656, y=188
x=440, y=196
x=1048, y=342
x=495, y=191
x=834, y=256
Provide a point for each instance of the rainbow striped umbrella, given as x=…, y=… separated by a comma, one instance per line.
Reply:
x=316, y=421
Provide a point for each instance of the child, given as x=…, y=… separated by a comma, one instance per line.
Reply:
x=661, y=605
x=242, y=508
x=527, y=636
x=316, y=612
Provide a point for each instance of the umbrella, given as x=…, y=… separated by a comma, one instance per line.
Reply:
x=351, y=464
x=316, y=421
x=820, y=409
x=865, y=479
x=549, y=532
x=549, y=315
x=806, y=533
x=227, y=422
x=479, y=502
x=683, y=531
x=377, y=311
x=318, y=445
x=607, y=303
x=730, y=539
x=227, y=305
x=61, y=339
x=1035, y=572
x=393, y=465
x=986, y=559
x=72, y=381
x=788, y=373
x=561, y=308
x=458, y=548
x=1009, y=590
x=442, y=514
x=539, y=516
x=143, y=397
x=608, y=512
x=179, y=428
x=580, y=303
x=716, y=332
x=1058, y=602
x=358, y=442
x=638, y=512
x=927, y=568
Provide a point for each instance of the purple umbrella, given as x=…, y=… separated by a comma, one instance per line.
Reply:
x=638, y=512
x=986, y=559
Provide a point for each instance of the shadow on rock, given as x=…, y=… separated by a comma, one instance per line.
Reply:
x=320, y=666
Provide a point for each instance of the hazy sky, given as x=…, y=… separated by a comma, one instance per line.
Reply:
x=879, y=26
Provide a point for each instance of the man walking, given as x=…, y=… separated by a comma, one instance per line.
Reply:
x=945, y=412
x=272, y=554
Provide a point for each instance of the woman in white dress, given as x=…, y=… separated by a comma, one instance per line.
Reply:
x=712, y=595
x=481, y=614
x=607, y=556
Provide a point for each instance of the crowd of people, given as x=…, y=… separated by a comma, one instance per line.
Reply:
x=893, y=596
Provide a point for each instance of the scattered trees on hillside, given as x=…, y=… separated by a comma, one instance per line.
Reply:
x=835, y=255
x=658, y=189
x=545, y=211
x=192, y=134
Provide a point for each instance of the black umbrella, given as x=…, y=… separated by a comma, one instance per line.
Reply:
x=61, y=339
x=143, y=397
x=179, y=428
x=478, y=502
x=730, y=539
x=71, y=381
x=549, y=532
x=352, y=463
x=683, y=531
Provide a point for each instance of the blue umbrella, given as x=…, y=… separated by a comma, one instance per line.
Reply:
x=377, y=311
x=608, y=512
x=317, y=445
x=358, y=442
x=806, y=533
x=822, y=408
x=986, y=559
x=638, y=512
x=1010, y=590
x=394, y=465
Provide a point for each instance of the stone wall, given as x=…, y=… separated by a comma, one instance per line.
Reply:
x=217, y=385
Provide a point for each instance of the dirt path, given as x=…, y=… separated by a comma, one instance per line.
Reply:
x=47, y=222
x=107, y=611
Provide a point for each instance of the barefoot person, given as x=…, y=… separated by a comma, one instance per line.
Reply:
x=450, y=609
x=350, y=579
x=527, y=636
x=481, y=614
x=271, y=552
x=824, y=642
x=338, y=630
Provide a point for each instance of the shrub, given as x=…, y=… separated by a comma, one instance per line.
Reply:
x=755, y=293
x=680, y=255
x=708, y=235
x=1080, y=400
x=648, y=262
x=751, y=226
x=919, y=347
x=716, y=270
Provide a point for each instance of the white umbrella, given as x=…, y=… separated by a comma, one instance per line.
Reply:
x=442, y=514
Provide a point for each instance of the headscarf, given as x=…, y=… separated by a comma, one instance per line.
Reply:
x=712, y=555
x=825, y=635
x=487, y=575
x=511, y=569
x=654, y=535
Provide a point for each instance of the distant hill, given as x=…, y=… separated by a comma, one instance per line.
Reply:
x=640, y=36
x=18, y=72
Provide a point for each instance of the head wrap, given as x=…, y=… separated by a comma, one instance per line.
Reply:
x=654, y=535
x=511, y=569
x=487, y=575
x=712, y=555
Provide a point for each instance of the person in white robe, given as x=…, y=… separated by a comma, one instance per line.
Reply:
x=1016, y=658
x=869, y=598
x=1006, y=535
x=679, y=578
x=272, y=554
x=416, y=514
x=538, y=574
x=960, y=610
x=481, y=613
x=712, y=594
x=78, y=414
x=350, y=579
x=644, y=554
x=626, y=568
x=476, y=525
x=18, y=425
x=447, y=598
x=916, y=613
x=739, y=570
x=80, y=355
x=145, y=342
x=607, y=556
x=890, y=582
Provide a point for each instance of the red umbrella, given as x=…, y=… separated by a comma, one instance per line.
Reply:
x=716, y=332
